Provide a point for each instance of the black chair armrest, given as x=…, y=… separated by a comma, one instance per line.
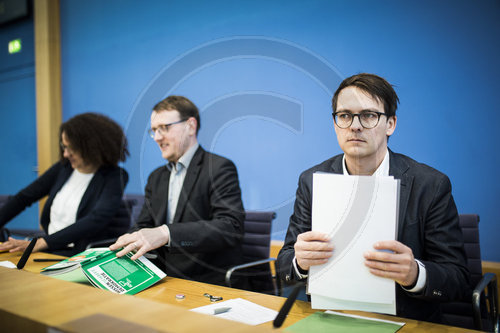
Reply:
x=102, y=243
x=487, y=283
x=27, y=234
x=231, y=270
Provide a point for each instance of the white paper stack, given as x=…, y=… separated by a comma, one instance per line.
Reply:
x=357, y=212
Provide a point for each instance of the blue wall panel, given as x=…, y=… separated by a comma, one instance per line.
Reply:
x=263, y=73
x=18, y=117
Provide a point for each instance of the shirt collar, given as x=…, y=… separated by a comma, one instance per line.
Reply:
x=185, y=159
x=382, y=170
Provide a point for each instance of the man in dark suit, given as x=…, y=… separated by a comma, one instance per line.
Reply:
x=192, y=214
x=427, y=261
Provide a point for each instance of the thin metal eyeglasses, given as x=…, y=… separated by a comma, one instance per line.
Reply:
x=63, y=148
x=163, y=129
x=367, y=119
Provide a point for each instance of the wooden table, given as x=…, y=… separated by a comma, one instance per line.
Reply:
x=34, y=299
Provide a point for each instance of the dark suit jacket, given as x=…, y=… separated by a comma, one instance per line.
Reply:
x=207, y=229
x=94, y=217
x=428, y=224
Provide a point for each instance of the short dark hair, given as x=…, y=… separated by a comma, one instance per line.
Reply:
x=184, y=106
x=374, y=85
x=98, y=139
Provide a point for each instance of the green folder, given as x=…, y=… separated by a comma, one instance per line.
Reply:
x=121, y=275
x=103, y=269
x=333, y=322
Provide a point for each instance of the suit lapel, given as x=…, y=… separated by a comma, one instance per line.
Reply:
x=160, y=198
x=61, y=180
x=94, y=187
x=337, y=164
x=398, y=168
x=192, y=174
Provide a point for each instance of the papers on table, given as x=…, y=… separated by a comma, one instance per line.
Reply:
x=330, y=321
x=241, y=310
x=356, y=211
x=7, y=264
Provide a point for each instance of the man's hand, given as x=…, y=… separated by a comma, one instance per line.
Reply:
x=19, y=245
x=312, y=248
x=393, y=260
x=142, y=241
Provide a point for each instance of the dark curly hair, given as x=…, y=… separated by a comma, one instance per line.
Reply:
x=98, y=139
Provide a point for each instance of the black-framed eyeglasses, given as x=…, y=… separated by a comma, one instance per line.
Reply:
x=163, y=129
x=367, y=119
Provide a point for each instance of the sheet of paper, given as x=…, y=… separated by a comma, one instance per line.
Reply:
x=241, y=310
x=356, y=211
x=330, y=321
x=7, y=264
x=322, y=302
x=400, y=323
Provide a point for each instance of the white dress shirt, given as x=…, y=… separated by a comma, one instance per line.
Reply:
x=67, y=200
x=177, y=174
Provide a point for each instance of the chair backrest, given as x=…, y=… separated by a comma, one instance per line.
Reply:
x=3, y=199
x=256, y=245
x=135, y=201
x=469, y=223
x=128, y=212
x=120, y=224
x=460, y=313
x=257, y=237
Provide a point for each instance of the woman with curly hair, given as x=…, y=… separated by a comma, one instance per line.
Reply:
x=84, y=188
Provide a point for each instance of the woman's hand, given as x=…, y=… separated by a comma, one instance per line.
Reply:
x=19, y=245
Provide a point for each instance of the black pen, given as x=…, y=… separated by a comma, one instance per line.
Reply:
x=46, y=259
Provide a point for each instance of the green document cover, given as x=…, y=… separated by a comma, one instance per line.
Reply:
x=103, y=269
x=339, y=322
x=69, y=269
x=121, y=275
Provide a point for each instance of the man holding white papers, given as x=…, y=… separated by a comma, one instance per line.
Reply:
x=427, y=261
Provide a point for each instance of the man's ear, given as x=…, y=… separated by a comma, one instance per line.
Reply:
x=193, y=124
x=391, y=125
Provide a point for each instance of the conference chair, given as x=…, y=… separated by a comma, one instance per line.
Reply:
x=480, y=309
x=129, y=211
x=135, y=202
x=256, y=245
x=3, y=199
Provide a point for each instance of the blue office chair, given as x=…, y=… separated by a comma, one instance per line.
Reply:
x=480, y=310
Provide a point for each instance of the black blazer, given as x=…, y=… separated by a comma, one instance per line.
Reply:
x=207, y=229
x=428, y=224
x=94, y=217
